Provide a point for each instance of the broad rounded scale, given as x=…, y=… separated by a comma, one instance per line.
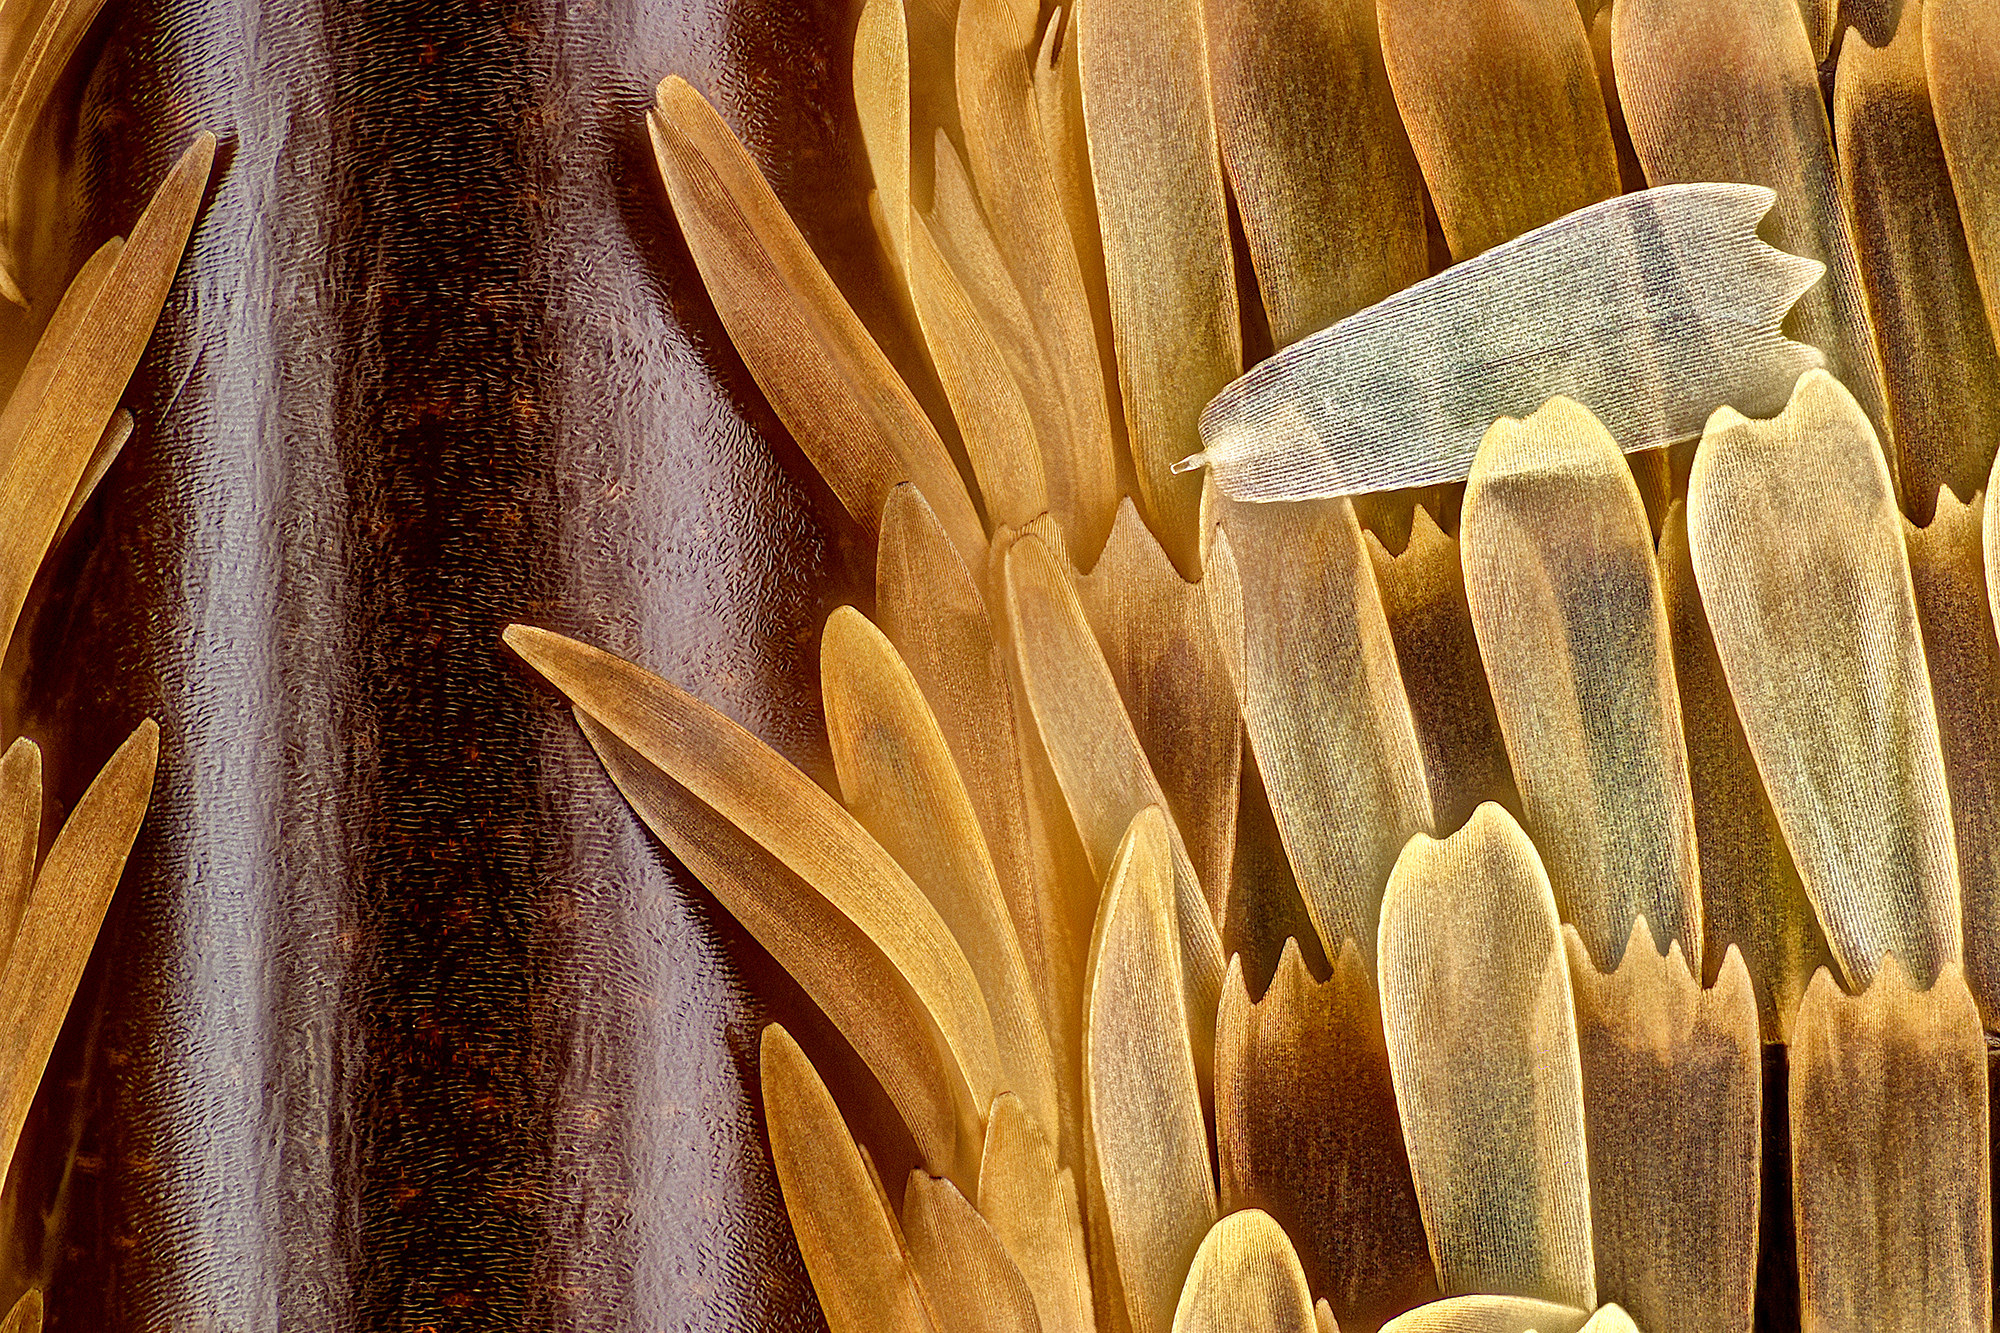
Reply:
x=1482, y=1047
x=1564, y=594
x=1798, y=549
x=1672, y=1079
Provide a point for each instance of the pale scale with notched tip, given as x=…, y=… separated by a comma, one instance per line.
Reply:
x=1652, y=309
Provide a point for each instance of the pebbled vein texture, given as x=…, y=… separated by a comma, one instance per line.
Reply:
x=401, y=1019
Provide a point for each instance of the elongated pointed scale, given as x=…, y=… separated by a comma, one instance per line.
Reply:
x=1889, y=1156
x=1989, y=532
x=1264, y=911
x=20, y=832
x=840, y=969
x=859, y=1271
x=1631, y=176
x=928, y=604
x=1165, y=222
x=971, y=1283
x=26, y=1316
x=1938, y=357
x=933, y=85
x=1059, y=103
x=60, y=29
x=1107, y=1285
x=992, y=417
x=1672, y=1083
x=1104, y=773
x=1822, y=17
x=1648, y=309
x=59, y=928
x=116, y=432
x=1565, y=597
x=1798, y=549
x=1010, y=161
x=1031, y=1203
x=1752, y=900
x=749, y=784
x=1246, y=1279
x=76, y=301
x=1474, y=978
x=897, y=777
x=57, y=441
x=1728, y=90
x=1139, y=1078
x=826, y=378
x=1170, y=665
x=882, y=106
x=968, y=236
